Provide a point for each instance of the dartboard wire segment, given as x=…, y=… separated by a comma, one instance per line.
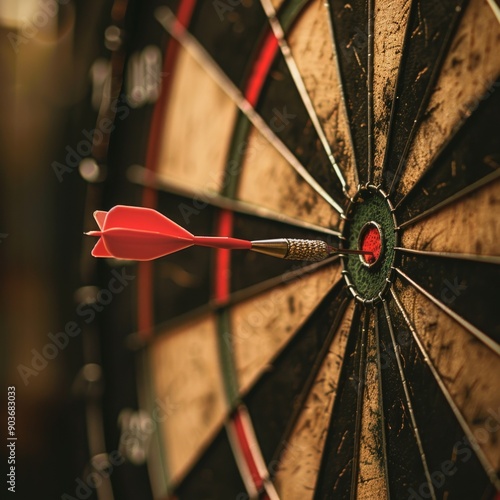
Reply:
x=297, y=78
x=373, y=124
x=191, y=45
x=146, y=178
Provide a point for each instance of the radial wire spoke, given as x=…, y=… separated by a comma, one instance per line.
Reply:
x=371, y=480
x=453, y=198
x=408, y=401
x=486, y=465
x=297, y=78
x=235, y=298
x=275, y=401
x=492, y=344
x=351, y=34
x=495, y=7
x=359, y=404
x=384, y=433
x=369, y=83
x=196, y=50
x=429, y=33
x=144, y=177
x=467, y=287
x=405, y=467
x=454, y=469
x=274, y=420
x=301, y=457
x=281, y=313
x=339, y=462
x=470, y=157
x=488, y=259
x=454, y=98
x=343, y=97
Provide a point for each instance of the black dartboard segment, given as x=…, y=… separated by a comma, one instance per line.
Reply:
x=181, y=281
x=352, y=32
x=251, y=268
x=453, y=469
x=230, y=34
x=472, y=155
x=404, y=460
x=462, y=285
x=215, y=475
x=277, y=398
x=429, y=33
x=282, y=108
x=340, y=456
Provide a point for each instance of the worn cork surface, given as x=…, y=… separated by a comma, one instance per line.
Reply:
x=312, y=48
x=192, y=153
x=185, y=361
x=469, y=369
x=469, y=71
x=389, y=31
x=471, y=225
x=187, y=377
x=300, y=460
x=269, y=181
x=372, y=466
x=262, y=326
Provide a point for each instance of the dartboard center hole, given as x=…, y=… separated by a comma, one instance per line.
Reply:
x=370, y=240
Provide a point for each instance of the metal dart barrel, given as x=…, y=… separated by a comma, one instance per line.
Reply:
x=299, y=249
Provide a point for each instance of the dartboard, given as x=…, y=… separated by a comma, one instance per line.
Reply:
x=372, y=125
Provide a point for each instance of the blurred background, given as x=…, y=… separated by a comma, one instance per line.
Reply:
x=47, y=50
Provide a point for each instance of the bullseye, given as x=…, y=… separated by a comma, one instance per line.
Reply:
x=370, y=240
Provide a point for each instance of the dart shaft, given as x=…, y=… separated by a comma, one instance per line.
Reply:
x=222, y=242
x=299, y=249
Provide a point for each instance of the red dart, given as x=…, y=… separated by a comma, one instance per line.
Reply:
x=138, y=233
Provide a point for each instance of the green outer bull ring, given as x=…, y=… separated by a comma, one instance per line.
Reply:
x=370, y=205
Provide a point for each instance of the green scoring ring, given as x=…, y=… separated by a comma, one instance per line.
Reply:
x=368, y=284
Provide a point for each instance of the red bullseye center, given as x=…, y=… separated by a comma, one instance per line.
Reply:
x=371, y=241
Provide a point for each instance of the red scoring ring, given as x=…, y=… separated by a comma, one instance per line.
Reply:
x=370, y=240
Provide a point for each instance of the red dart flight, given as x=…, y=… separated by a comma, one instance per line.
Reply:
x=138, y=233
